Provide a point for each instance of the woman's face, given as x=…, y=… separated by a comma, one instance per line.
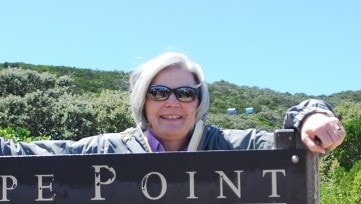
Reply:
x=172, y=120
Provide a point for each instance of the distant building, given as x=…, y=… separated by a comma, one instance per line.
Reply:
x=249, y=110
x=231, y=111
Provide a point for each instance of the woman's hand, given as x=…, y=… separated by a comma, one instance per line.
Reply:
x=321, y=132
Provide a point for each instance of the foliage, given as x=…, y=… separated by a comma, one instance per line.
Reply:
x=270, y=106
x=348, y=110
x=225, y=95
x=342, y=187
x=343, y=97
x=349, y=151
x=341, y=170
x=242, y=121
x=56, y=111
x=85, y=80
x=19, y=82
x=19, y=135
x=112, y=110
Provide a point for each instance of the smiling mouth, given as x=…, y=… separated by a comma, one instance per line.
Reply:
x=171, y=117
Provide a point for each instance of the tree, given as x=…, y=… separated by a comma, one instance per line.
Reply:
x=45, y=104
x=19, y=82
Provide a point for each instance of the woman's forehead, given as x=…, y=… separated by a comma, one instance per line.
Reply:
x=174, y=77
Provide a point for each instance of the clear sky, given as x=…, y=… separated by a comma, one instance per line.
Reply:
x=300, y=46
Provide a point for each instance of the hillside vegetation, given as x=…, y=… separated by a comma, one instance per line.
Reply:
x=57, y=102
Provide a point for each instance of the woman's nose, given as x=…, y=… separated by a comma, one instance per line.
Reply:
x=172, y=100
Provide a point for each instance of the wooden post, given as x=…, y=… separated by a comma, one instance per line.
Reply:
x=289, y=139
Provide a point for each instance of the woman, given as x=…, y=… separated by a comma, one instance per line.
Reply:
x=170, y=100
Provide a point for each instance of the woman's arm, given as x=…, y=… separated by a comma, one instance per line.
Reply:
x=317, y=124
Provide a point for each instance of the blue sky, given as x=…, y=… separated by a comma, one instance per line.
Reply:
x=311, y=47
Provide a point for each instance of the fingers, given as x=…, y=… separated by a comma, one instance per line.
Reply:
x=321, y=133
x=330, y=136
x=313, y=145
x=337, y=135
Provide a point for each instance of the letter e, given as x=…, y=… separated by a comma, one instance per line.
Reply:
x=41, y=187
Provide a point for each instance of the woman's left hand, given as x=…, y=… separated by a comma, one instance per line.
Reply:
x=321, y=132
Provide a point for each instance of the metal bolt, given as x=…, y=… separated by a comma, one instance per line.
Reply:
x=295, y=159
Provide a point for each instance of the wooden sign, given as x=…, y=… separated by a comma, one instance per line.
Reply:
x=266, y=176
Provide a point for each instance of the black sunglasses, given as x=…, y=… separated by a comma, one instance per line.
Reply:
x=183, y=94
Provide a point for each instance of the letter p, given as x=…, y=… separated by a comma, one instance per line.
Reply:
x=99, y=182
x=5, y=187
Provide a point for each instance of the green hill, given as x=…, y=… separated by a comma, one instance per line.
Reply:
x=269, y=105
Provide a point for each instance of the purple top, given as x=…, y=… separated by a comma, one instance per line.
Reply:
x=153, y=142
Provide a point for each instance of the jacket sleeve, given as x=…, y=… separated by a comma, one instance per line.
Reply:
x=46, y=147
x=232, y=139
x=124, y=142
x=295, y=115
x=217, y=139
x=9, y=147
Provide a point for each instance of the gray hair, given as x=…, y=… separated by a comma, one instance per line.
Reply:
x=141, y=78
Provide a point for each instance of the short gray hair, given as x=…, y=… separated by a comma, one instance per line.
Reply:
x=141, y=78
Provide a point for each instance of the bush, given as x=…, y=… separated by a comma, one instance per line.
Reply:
x=19, y=135
x=349, y=151
x=343, y=187
x=242, y=121
x=19, y=82
x=52, y=109
x=113, y=112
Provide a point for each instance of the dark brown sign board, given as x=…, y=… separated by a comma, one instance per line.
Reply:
x=263, y=176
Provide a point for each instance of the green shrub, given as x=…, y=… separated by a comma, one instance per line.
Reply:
x=342, y=186
x=49, y=107
x=349, y=151
x=113, y=112
x=20, y=135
